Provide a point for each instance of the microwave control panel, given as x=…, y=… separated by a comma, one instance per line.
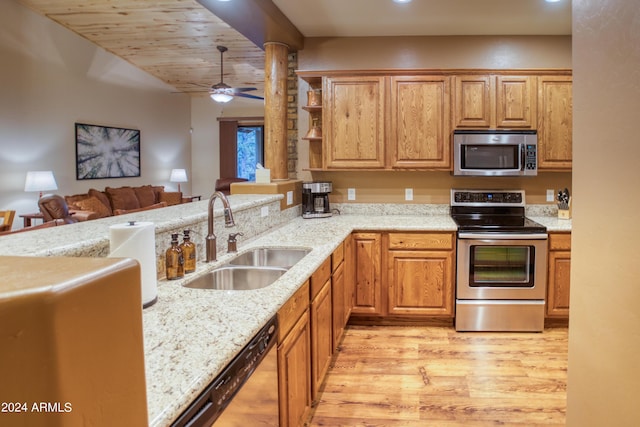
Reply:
x=530, y=157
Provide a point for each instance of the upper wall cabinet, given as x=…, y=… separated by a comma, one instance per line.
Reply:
x=555, y=118
x=401, y=119
x=420, y=122
x=354, y=122
x=494, y=101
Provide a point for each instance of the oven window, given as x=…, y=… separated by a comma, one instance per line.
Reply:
x=507, y=266
x=491, y=156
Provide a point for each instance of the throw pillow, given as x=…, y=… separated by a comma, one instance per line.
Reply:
x=71, y=200
x=122, y=198
x=94, y=205
x=102, y=197
x=146, y=196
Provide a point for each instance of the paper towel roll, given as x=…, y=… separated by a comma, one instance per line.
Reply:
x=137, y=240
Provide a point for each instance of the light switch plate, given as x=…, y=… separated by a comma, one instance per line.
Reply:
x=551, y=194
x=351, y=194
x=289, y=197
x=408, y=193
x=264, y=211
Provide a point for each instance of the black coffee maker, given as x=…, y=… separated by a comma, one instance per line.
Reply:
x=315, y=199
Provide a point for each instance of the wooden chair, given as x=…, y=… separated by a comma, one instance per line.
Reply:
x=7, y=217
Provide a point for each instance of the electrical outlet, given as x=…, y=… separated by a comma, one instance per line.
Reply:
x=551, y=194
x=289, y=198
x=264, y=211
x=408, y=193
x=351, y=194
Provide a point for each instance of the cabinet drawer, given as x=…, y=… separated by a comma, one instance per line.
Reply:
x=320, y=277
x=559, y=241
x=421, y=241
x=337, y=257
x=291, y=311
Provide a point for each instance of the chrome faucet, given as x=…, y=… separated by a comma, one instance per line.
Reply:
x=210, y=241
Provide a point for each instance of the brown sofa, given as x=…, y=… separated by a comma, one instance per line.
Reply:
x=120, y=200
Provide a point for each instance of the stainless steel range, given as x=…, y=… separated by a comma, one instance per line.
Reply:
x=501, y=262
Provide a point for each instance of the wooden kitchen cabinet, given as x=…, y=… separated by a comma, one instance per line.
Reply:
x=555, y=123
x=495, y=101
x=321, y=325
x=294, y=359
x=368, y=274
x=421, y=274
x=420, y=122
x=354, y=122
x=558, y=280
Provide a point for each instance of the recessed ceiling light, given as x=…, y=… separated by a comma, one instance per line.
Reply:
x=402, y=1
x=552, y=1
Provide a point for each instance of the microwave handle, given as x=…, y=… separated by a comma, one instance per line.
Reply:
x=522, y=157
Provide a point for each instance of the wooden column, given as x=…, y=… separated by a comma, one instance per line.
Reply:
x=275, y=114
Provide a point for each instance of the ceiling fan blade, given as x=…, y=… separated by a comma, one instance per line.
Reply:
x=246, y=95
x=243, y=89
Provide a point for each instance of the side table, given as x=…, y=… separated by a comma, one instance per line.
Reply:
x=27, y=218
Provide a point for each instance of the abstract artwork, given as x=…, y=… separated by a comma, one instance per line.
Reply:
x=106, y=152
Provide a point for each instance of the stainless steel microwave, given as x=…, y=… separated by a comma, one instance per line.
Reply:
x=495, y=152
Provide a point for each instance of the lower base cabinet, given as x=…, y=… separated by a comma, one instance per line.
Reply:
x=294, y=360
x=558, y=280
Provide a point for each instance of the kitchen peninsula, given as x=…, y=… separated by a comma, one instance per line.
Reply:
x=191, y=334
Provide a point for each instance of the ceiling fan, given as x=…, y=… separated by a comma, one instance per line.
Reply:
x=221, y=92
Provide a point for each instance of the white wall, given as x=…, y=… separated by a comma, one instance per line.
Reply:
x=604, y=328
x=51, y=78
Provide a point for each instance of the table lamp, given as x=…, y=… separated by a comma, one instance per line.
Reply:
x=40, y=181
x=178, y=175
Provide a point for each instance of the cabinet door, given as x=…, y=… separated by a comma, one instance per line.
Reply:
x=472, y=101
x=339, y=295
x=321, y=337
x=515, y=102
x=349, y=276
x=354, y=122
x=421, y=282
x=555, y=123
x=420, y=122
x=558, y=284
x=294, y=374
x=368, y=271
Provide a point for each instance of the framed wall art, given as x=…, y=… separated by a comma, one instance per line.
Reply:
x=106, y=152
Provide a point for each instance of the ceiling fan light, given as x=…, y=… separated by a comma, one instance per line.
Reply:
x=221, y=97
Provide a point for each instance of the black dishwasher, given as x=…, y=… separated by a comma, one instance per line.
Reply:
x=245, y=390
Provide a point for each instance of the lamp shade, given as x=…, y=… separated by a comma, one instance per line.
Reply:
x=178, y=175
x=40, y=181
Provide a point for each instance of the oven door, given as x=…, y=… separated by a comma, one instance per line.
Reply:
x=505, y=266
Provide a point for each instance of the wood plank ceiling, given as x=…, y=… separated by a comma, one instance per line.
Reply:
x=173, y=40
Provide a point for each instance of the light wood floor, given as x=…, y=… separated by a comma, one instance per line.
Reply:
x=410, y=376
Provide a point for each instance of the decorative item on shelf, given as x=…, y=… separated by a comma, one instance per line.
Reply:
x=178, y=175
x=316, y=131
x=564, y=204
x=314, y=97
x=40, y=181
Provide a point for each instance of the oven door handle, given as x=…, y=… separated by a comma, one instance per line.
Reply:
x=503, y=236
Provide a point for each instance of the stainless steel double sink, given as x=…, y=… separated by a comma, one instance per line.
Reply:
x=254, y=269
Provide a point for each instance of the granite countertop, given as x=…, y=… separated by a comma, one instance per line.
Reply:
x=191, y=334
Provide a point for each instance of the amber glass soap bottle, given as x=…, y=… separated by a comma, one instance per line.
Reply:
x=174, y=260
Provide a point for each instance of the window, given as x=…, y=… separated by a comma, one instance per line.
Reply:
x=241, y=146
x=249, y=151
